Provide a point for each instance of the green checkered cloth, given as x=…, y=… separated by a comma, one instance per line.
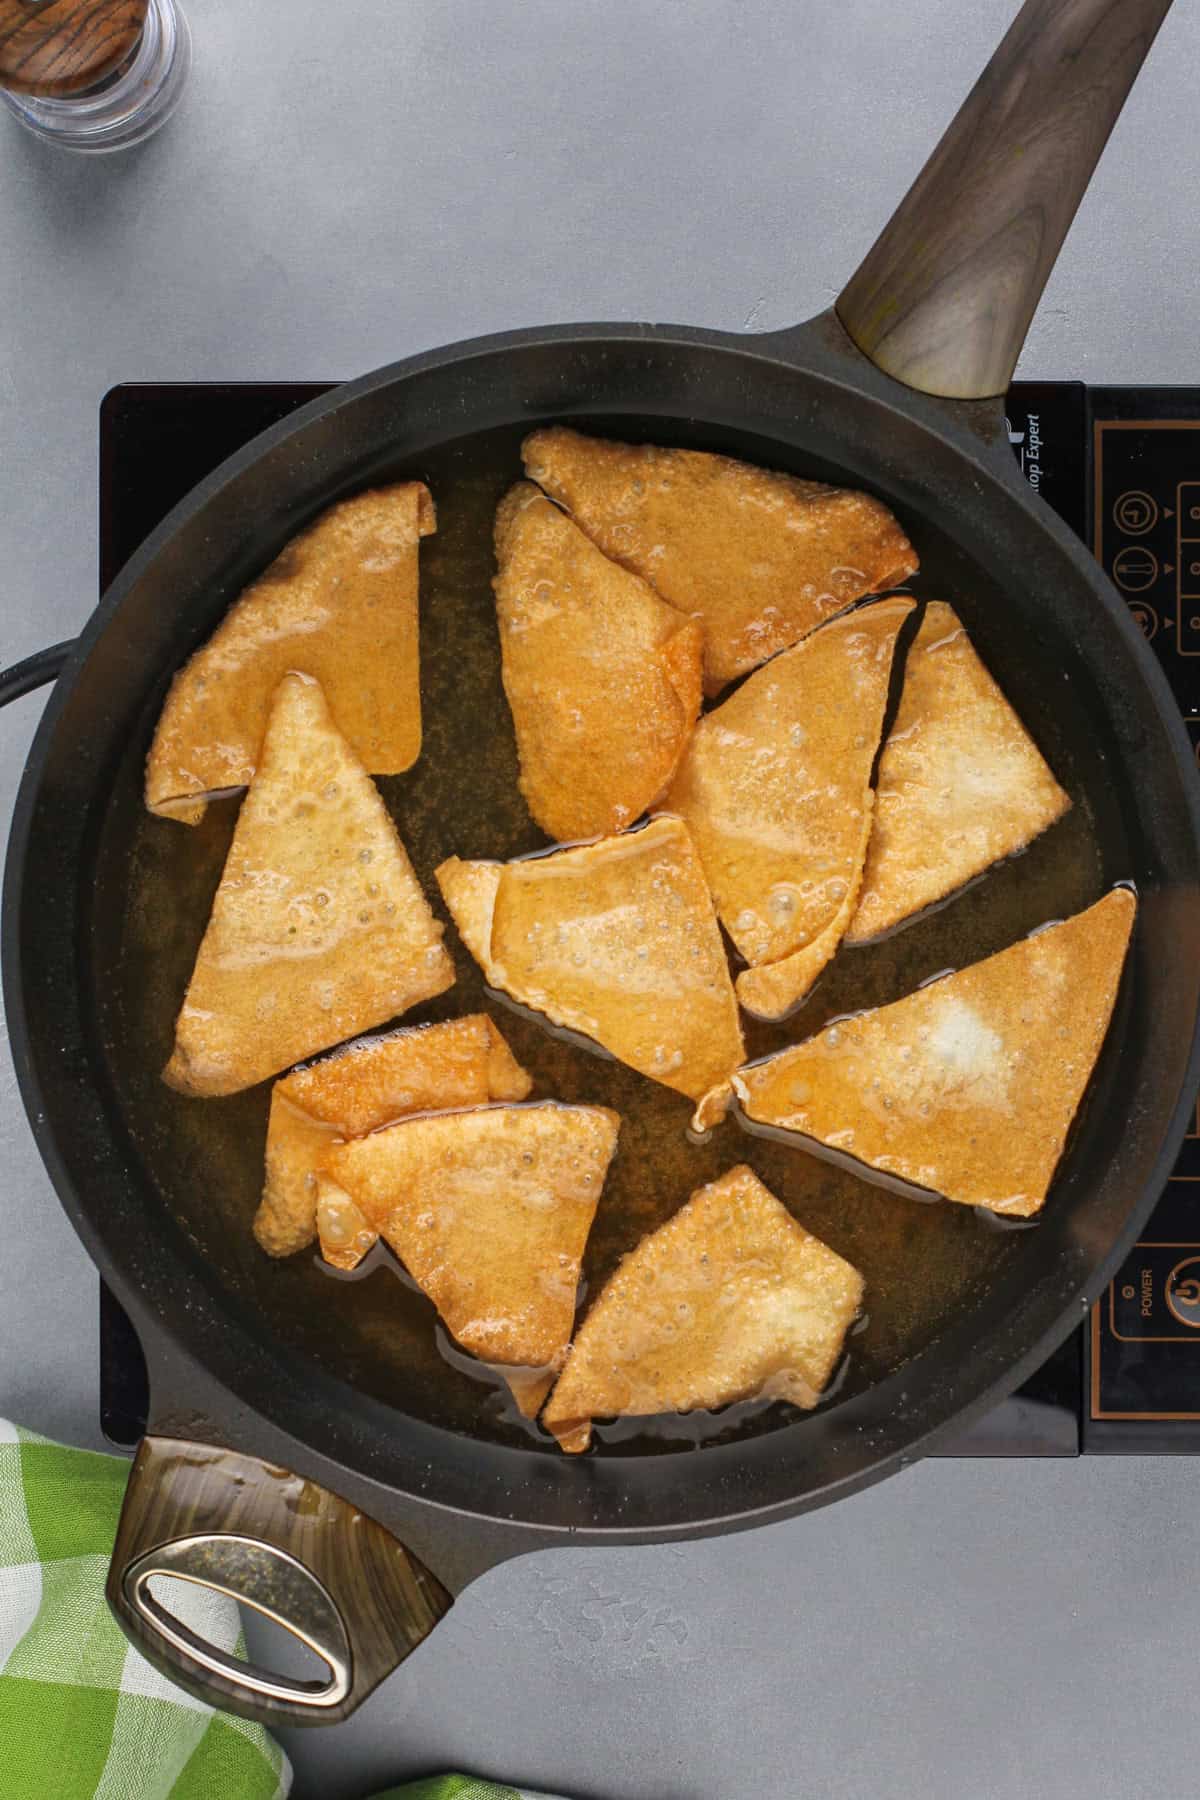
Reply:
x=82, y=1715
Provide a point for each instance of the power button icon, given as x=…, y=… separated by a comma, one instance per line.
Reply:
x=1183, y=1292
x=1135, y=513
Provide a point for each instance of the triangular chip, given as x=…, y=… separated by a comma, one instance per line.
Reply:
x=776, y=791
x=420, y=1068
x=961, y=782
x=489, y=1211
x=617, y=940
x=602, y=676
x=967, y=1087
x=319, y=928
x=729, y=1300
x=339, y=603
x=760, y=558
x=346, y=1236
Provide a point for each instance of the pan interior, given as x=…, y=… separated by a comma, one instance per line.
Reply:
x=154, y=880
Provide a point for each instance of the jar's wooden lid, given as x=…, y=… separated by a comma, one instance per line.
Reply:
x=60, y=47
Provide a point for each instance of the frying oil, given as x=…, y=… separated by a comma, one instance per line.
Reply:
x=378, y=1333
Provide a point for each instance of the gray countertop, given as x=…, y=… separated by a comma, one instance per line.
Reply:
x=344, y=185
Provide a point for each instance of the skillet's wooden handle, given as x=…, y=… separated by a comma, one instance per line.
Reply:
x=57, y=47
x=944, y=299
x=298, y=1554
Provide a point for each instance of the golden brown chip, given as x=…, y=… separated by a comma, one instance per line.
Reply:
x=369, y=1083
x=603, y=677
x=339, y=603
x=489, y=1212
x=961, y=782
x=319, y=928
x=418, y=1068
x=617, y=940
x=296, y=1142
x=345, y=1239
x=776, y=791
x=759, y=558
x=729, y=1300
x=967, y=1087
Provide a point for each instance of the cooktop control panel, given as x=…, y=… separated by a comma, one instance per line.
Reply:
x=1144, y=526
x=1122, y=467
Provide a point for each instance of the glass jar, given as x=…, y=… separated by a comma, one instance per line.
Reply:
x=130, y=103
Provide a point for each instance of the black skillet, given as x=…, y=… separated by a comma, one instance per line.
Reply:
x=897, y=391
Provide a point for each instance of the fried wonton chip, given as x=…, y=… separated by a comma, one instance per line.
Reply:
x=346, y=1236
x=617, y=940
x=961, y=782
x=338, y=603
x=967, y=1087
x=776, y=791
x=729, y=1300
x=602, y=676
x=489, y=1211
x=761, y=558
x=420, y=1068
x=319, y=928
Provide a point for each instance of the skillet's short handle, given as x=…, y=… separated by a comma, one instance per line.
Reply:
x=944, y=298
x=36, y=671
x=298, y=1554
